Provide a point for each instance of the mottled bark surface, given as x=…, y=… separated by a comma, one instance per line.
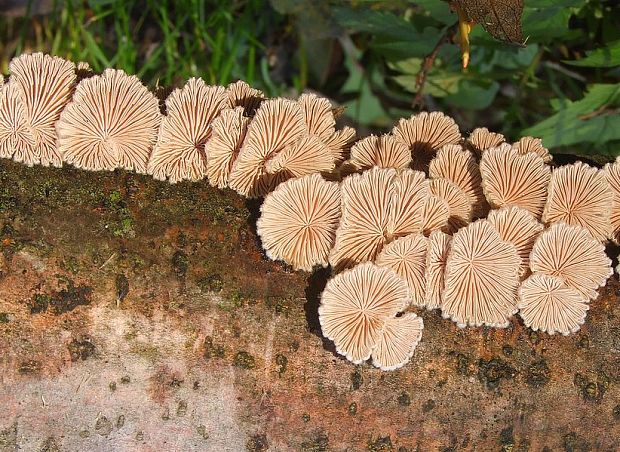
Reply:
x=135, y=315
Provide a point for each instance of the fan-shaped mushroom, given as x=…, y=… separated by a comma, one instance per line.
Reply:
x=531, y=144
x=457, y=201
x=298, y=221
x=111, y=122
x=397, y=342
x=481, y=139
x=355, y=306
x=240, y=94
x=612, y=174
x=434, y=275
x=15, y=136
x=384, y=151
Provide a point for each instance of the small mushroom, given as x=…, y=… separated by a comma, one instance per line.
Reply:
x=457, y=200
x=179, y=153
x=406, y=208
x=340, y=143
x=459, y=166
x=318, y=114
x=519, y=227
x=548, y=305
x=407, y=257
x=278, y=123
x=111, y=122
x=298, y=221
x=482, y=139
x=46, y=84
x=482, y=276
x=384, y=151
x=513, y=179
x=308, y=155
x=228, y=131
x=434, y=275
x=580, y=195
x=397, y=342
x=355, y=306
x=424, y=134
x=571, y=253
x=365, y=205
x=240, y=94
x=435, y=215
x=612, y=174
x=15, y=136
x=531, y=144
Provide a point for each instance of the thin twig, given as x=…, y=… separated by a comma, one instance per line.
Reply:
x=427, y=65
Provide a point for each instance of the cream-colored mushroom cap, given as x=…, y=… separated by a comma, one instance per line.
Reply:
x=46, y=84
x=406, y=208
x=355, y=306
x=385, y=151
x=482, y=276
x=457, y=200
x=548, y=305
x=519, y=227
x=512, y=179
x=531, y=144
x=308, y=155
x=612, y=174
x=179, y=153
x=426, y=133
x=407, y=257
x=15, y=135
x=298, y=221
x=111, y=122
x=434, y=276
x=580, y=195
x=435, y=215
x=397, y=342
x=278, y=123
x=459, y=166
x=240, y=94
x=571, y=253
x=481, y=139
x=228, y=132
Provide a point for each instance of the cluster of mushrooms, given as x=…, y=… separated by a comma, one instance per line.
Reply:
x=419, y=218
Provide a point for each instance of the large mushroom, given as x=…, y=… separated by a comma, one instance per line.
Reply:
x=110, y=123
x=15, y=136
x=355, y=306
x=298, y=221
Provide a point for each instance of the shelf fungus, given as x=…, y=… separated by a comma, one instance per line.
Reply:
x=434, y=275
x=110, y=123
x=424, y=134
x=580, y=195
x=481, y=139
x=46, y=84
x=612, y=174
x=15, y=137
x=571, y=253
x=482, y=276
x=355, y=306
x=513, y=179
x=179, y=153
x=457, y=200
x=407, y=257
x=397, y=342
x=547, y=304
x=298, y=221
x=531, y=144
x=384, y=151
x=240, y=94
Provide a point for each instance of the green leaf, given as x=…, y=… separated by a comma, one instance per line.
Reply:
x=439, y=11
x=544, y=20
x=589, y=120
x=474, y=94
x=608, y=56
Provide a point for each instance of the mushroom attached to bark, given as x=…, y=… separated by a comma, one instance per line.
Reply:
x=457, y=200
x=179, y=153
x=571, y=253
x=612, y=174
x=580, y=195
x=435, y=215
x=482, y=139
x=384, y=151
x=459, y=166
x=278, y=123
x=298, y=221
x=531, y=144
x=111, y=122
x=407, y=257
x=519, y=227
x=434, y=276
x=513, y=179
x=228, y=131
x=424, y=134
x=355, y=306
x=482, y=276
x=308, y=155
x=15, y=136
x=397, y=342
x=548, y=305
x=46, y=84
x=406, y=208
x=365, y=203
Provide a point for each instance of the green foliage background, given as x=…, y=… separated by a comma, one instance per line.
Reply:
x=563, y=86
